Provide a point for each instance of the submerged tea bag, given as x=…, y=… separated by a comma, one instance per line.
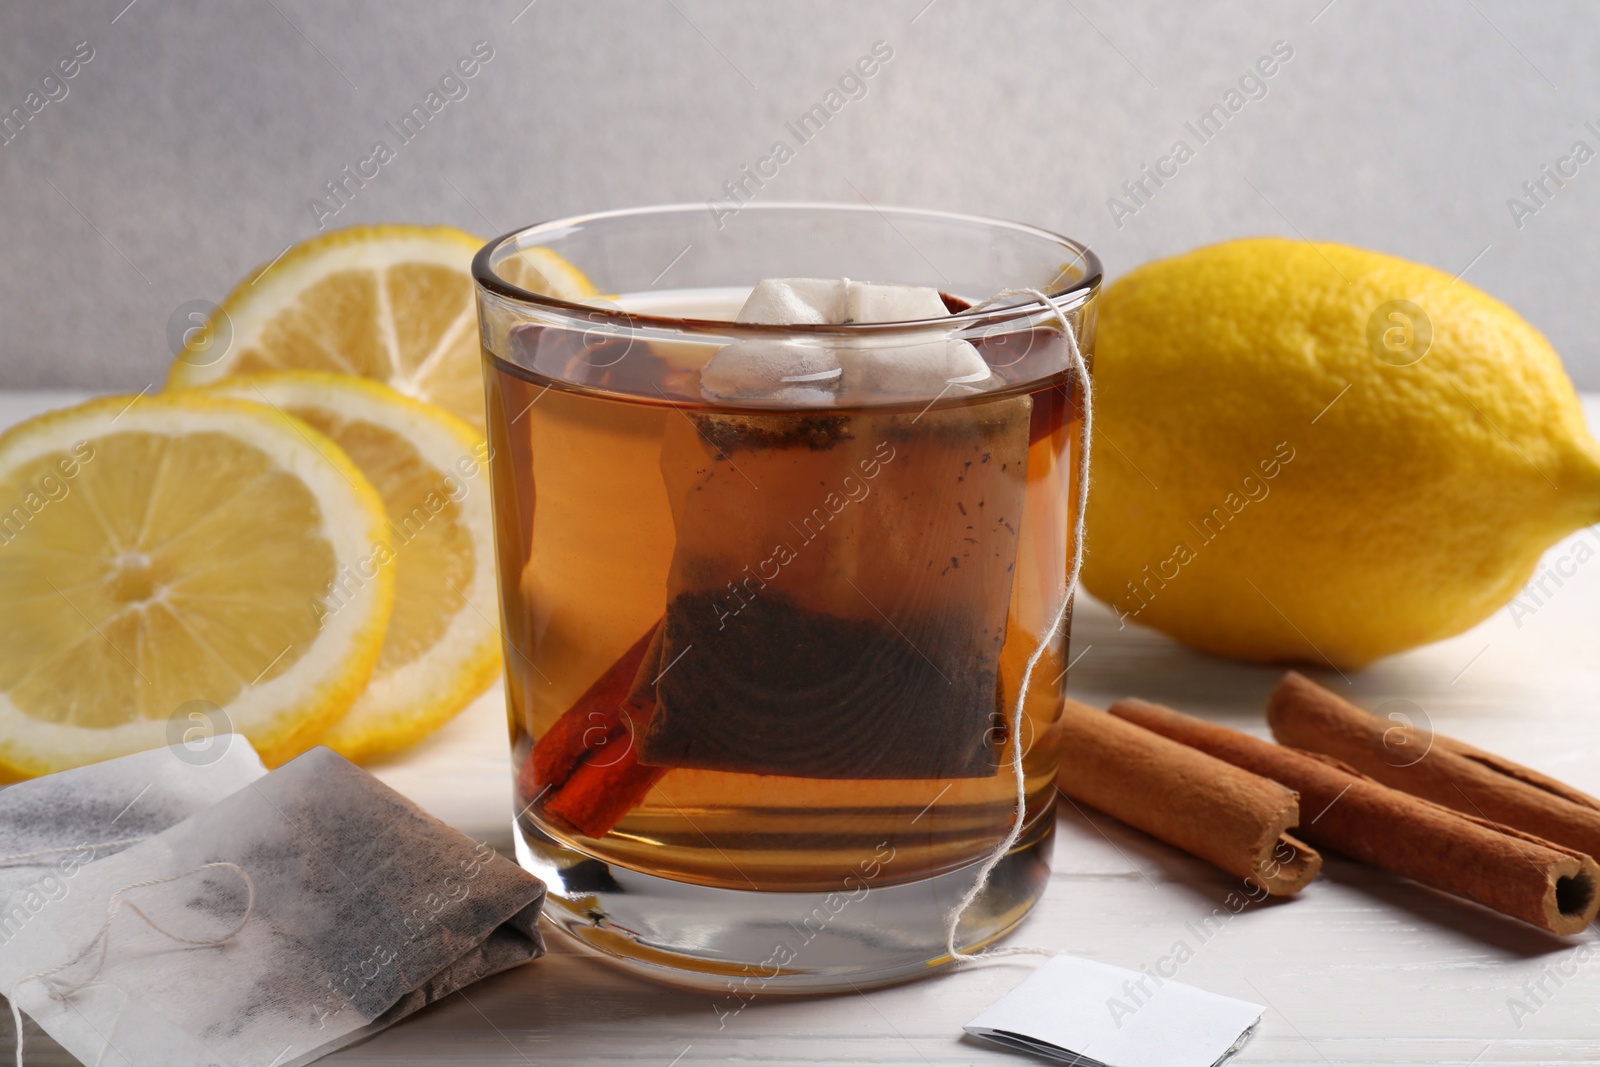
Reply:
x=840, y=584
x=51, y=826
x=308, y=909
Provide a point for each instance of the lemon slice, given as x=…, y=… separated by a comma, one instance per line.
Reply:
x=163, y=555
x=442, y=648
x=392, y=303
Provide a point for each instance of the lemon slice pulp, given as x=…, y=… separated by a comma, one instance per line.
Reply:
x=442, y=647
x=392, y=303
x=179, y=552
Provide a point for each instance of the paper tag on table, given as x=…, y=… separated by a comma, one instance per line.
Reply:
x=1089, y=1013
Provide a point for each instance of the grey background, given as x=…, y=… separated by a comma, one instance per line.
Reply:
x=186, y=151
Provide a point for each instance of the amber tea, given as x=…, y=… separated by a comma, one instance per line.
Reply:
x=769, y=642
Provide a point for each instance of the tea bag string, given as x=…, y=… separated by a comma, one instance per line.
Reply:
x=102, y=940
x=18, y=857
x=1080, y=371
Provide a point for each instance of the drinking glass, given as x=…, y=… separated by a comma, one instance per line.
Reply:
x=762, y=654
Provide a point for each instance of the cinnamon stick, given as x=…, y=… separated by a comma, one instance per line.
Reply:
x=597, y=796
x=1441, y=769
x=1514, y=873
x=585, y=770
x=1209, y=808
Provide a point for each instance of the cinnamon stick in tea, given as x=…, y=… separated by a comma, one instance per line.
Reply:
x=585, y=769
x=1514, y=873
x=1441, y=769
x=1223, y=814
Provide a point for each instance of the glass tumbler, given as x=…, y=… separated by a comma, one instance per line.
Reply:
x=762, y=654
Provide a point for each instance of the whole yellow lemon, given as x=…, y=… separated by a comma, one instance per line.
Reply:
x=1310, y=452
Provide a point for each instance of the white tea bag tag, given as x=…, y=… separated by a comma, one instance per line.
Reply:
x=1088, y=1013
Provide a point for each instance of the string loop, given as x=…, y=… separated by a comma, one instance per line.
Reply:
x=1080, y=371
x=102, y=940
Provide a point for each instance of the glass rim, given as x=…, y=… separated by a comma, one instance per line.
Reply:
x=1066, y=298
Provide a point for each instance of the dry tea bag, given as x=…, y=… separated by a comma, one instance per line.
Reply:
x=308, y=909
x=840, y=583
x=51, y=826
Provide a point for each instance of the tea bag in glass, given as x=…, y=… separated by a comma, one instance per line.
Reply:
x=51, y=826
x=840, y=584
x=308, y=909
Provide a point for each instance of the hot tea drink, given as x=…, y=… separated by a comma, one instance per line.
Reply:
x=806, y=641
x=775, y=553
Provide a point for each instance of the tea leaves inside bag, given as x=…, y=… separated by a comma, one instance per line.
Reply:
x=839, y=591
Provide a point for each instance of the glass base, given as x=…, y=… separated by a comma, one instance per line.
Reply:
x=745, y=943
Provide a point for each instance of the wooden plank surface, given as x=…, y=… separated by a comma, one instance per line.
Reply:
x=1363, y=968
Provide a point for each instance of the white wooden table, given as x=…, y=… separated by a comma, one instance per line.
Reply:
x=1362, y=968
